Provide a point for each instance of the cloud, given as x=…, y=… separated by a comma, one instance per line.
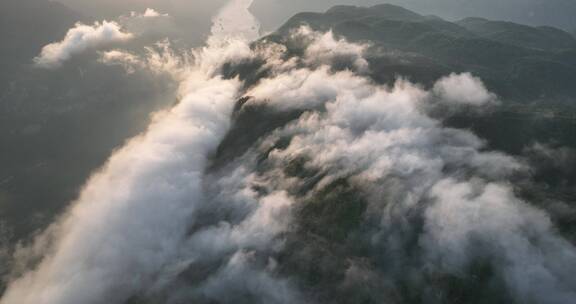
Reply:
x=157, y=180
x=235, y=19
x=150, y=23
x=305, y=88
x=463, y=89
x=384, y=142
x=470, y=219
x=244, y=251
x=325, y=49
x=158, y=221
x=546, y=155
x=132, y=217
x=79, y=39
x=122, y=58
x=152, y=13
x=237, y=278
x=159, y=59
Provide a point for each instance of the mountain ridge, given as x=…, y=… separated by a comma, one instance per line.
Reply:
x=519, y=62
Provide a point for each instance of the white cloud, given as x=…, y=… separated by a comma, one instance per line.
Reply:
x=79, y=39
x=102, y=34
x=463, y=89
x=159, y=59
x=536, y=263
x=562, y=158
x=152, y=13
x=149, y=23
x=325, y=49
x=238, y=276
x=132, y=217
x=383, y=140
x=235, y=18
x=305, y=88
x=122, y=58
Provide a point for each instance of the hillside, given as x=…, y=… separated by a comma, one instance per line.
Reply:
x=521, y=63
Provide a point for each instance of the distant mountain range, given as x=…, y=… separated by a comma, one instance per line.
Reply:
x=56, y=127
x=519, y=62
x=558, y=13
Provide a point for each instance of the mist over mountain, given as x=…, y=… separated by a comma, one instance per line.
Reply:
x=519, y=62
x=272, y=13
x=558, y=13
x=178, y=152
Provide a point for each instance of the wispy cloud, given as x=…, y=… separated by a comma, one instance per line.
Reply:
x=79, y=39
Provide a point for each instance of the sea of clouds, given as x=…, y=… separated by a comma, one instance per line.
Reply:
x=157, y=221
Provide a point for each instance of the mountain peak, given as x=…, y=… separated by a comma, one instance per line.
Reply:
x=387, y=11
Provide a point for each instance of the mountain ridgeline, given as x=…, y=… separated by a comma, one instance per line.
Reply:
x=358, y=226
x=521, y=63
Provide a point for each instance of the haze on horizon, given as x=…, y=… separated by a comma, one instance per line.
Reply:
x=272, y=13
